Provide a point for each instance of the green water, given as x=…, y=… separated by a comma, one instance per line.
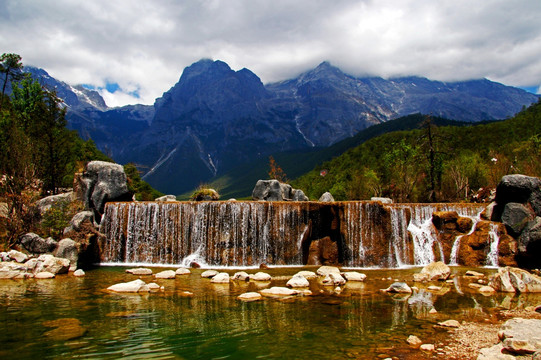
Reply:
x=71, y=317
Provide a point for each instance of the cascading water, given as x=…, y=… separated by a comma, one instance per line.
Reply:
x=492, y=256
x=367, y=234
x=456, y=245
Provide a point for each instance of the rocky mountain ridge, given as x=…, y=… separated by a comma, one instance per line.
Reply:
x=216, y=118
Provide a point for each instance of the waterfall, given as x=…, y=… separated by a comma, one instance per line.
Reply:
x=492, y=256
x=366, y=234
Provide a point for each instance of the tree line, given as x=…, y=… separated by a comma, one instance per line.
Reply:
x=431, y=163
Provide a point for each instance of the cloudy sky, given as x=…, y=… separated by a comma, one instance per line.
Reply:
x=134, y=50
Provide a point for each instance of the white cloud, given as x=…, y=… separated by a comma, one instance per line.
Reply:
x=145, y=44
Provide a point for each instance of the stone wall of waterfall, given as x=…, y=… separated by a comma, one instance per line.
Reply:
x=366, y=234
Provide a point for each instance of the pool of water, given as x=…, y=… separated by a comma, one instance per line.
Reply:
x=69, y=317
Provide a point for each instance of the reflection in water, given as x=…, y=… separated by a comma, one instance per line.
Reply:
x=214, y=324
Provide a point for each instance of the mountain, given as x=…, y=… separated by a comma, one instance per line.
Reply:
x=216, y=119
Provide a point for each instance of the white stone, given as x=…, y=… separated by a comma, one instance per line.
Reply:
x=221, y=278
x=182, y=271
x=17, y=256
x=414, y=341
x=436, y=271
x=298, y=281
x=139, y=271
x=472, y=273
x=261, y=276
x=399, y=287
x=209, y=273
x=153, y=286
x=79, y=272
x=241, y=276
x=307, y=274
x=325, y=270
x=521, y=336
x=249, y=296
x=52, y=264
x=166, y=274
x=427, y=347
x=354, y=276
x=278, y=291
x=333, y=279
x=130, y=287
x=494, y=353
x=44, y=275
x=487, y=290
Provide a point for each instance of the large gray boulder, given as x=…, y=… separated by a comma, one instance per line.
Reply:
x=518, y=188
x=516, y=216
x=68, y=249
x=78, y=219
x=103, y=182
x=326, y=197
x=298, y=195
x=54, y=200
x=36, y=244
x=271, y=190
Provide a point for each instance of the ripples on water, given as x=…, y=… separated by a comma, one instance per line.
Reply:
x=360, y=322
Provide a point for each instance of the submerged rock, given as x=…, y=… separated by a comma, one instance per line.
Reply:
x=261, y=276
x=166, y=274
x=130, y=287
x=298, y=281
x=399, y=287
x=250, y=296
x=277, y=291
x=182, y=271
x=221, y=278
x=325, y=270
x=139, y=271
x=209, y=274
x=241, y=276
x=333, y=279
x=307, y=274
x=354, y=276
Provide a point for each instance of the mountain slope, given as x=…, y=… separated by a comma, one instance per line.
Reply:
x=216, y=119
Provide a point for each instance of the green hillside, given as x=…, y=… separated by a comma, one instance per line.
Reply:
x=433, y=163
x=239, y=182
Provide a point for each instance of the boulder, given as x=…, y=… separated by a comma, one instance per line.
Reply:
x=326, y=197
x=516, y=216
x=434, y=271
x=44, y=275
x=399, y=287
x=521, y=336
x=68, y=249
x=241, y=276
x=271, y=190
x=103, y=182
x=529, y=243
x=36, y=244
x=221, y=278
x=517, y=188
x=139, y=271
x=52, y=264
x=261, y=276
x=49, y=202
x=166, y=198
x=249, y=296
x=298, y=281
x=166, y=274
x=78, y=219
x=298, y=195
x=79, y=273
x=325, y=270
x=511, y=279
x=209, y=274
x=277, y=291
x=17, y=256
x=13, y=270
x=494, y=353
x=307, y=274
x=414, y=341
x=354, y=276
x=333, y=279
x=130, y=287
x=182, y=271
